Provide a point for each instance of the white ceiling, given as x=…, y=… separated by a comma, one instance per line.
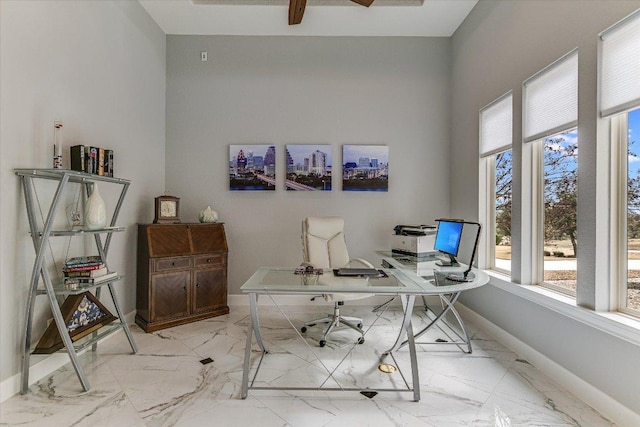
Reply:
x=434, y=18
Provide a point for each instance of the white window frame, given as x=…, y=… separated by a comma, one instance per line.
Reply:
x=538, y=209
x=486, y=191
x=532, y=262
x=488, y=212
x=620, y=171
x=618, y=50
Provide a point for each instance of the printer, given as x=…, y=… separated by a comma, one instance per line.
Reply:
x=414, y=240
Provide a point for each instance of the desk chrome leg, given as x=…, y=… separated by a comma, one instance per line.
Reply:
x=407, y=307
x=407, y=328
x=255, y=322
x=253, y=319
x=415, y=379
x=465, y=336
x=449, y=302
x=245, y=367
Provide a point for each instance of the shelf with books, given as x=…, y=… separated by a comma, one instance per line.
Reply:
x=72, y=175
x=61, y=288
x=78, y=292
x=93, y=160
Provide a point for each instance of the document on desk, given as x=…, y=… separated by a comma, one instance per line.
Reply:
x=359, y=272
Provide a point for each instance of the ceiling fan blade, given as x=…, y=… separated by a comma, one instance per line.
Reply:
x=296, y=11
x=366, y=3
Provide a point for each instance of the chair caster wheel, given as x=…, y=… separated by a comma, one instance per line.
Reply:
x=303, y=329
x=361, y=340
x=359, y=325
x=322, y=343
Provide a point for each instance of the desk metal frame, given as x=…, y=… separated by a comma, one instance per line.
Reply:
x=406, y=330
x=414, y=286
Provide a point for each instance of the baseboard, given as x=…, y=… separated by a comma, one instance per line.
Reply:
x=11, y=386
x=601, y=402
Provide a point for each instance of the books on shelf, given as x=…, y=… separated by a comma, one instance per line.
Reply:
x=84, y=266
x=91, y=280
x=83, y=260
x=95, y=160
x=87, y=273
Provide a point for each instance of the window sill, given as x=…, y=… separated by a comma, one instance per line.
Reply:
x=618, y=325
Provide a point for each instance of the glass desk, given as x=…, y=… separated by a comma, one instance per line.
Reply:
x=432, y=279
x=273, y=281
x=403, y=281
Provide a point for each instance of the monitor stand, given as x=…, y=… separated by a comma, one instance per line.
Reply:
x=461, y=277
x=451, y=262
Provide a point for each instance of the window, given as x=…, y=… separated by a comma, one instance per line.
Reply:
x=631, y=283
x=496, y=126
x=560, y=177
x=502, y=196
x=619, y=102
x=550, y=113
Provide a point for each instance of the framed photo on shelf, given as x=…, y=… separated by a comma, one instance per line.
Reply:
x=252, y=167
x=308, y=167
x=83, y=314
x=365, y=168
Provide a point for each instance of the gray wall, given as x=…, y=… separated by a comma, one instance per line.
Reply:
x=498, y=46
x=288, y=90
x=100, y=68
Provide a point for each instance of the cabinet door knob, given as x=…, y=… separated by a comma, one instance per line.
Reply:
x=209, y=259
x=173, y=264
x=197, y=285
x=184, y=287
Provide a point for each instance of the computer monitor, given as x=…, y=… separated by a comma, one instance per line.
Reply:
x=448, y=237
x=447, y=241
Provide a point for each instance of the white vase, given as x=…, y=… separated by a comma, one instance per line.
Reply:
x=208, y=215
x=95, y=212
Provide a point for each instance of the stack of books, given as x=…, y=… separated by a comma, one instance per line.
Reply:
x=95, y=160
x=86, y=269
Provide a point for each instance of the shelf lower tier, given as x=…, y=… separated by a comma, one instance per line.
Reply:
x=92, y=338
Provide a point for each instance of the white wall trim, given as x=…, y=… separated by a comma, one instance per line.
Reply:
x=617, y=325
x=11, y=386
x=601, y=402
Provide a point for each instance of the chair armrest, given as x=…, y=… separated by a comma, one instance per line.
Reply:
x=362, y=261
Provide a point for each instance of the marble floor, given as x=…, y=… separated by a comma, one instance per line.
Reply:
x=165, y=383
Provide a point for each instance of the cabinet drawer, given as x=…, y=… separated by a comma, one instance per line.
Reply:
x=165, y=264
x=212, y=259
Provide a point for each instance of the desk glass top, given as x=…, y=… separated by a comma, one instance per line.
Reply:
x=422, y=271
x=401, y=280
x=283, y=280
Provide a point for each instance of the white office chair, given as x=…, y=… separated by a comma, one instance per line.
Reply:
x=323, y=246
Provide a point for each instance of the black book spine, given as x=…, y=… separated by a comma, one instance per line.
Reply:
x=78, y=158
x=101, y=161
x=93, y=154
x=108, y=163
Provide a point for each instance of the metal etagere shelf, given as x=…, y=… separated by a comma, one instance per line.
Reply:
x=40, y=238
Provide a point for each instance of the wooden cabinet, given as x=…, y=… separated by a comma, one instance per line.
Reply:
x=182, y=274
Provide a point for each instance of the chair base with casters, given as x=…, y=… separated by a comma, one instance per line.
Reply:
x=336, y=320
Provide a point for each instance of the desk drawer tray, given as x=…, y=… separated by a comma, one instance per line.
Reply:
x=166, y=264
x=213, y=259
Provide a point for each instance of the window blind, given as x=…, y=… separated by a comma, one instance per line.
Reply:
x=496, y=126
x=551, y=99
x=620, y=66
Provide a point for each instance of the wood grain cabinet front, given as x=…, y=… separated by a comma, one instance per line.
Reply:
x=182, y=274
